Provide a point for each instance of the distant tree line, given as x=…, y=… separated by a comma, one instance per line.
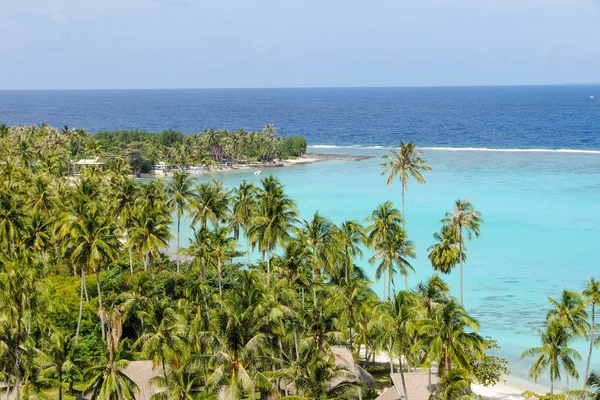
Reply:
x=141, y=150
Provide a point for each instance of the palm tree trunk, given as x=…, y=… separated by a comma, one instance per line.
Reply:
x=551, y=386
x=390, y=356
x=592, y=331
x=268, y=268
x=146, y=259
x=296, y=344
x=247, y=247
x=460, y=244
x=131, y=260
x=80, y=307
x=403, y=215
x=220, y=278
x=403, y=382
x=166, y=378
x=406, y=281
x=60, y=388
x=178, y=232
x=100, y=301
x=18, y=358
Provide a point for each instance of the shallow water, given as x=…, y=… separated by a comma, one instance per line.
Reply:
x=541, y=231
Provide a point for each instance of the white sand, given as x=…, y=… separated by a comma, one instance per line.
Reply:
x=500, y=391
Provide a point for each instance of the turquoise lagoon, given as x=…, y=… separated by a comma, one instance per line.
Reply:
x=541, y=231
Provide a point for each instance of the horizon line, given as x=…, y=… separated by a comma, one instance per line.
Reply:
x=311, y=87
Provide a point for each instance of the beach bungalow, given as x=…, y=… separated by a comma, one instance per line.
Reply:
x=86, y=163
x=418, y=386
x=163, y=169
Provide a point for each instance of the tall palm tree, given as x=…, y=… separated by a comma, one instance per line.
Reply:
x=210, y=204
x=591, y=390
x=317, y=236
x=150, y=231
x=317, y=376
x=591, y=293
x=200, y=248
x=450, y=337
x=164, y=338
x=349, y=236
x=398, y=319
x=57, y=358
x=466, y=220
x=275, y=216
x=404, y=163
x=181, y=194
x=445, y=253
x=91, y=237
x=433, y=293
x=243, y=210
x=553, y=354
x=221, y=247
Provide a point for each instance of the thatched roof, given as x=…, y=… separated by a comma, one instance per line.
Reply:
x=417, y=386
x=141, y=372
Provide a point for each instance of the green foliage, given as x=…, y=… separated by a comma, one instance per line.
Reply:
x=489, y=369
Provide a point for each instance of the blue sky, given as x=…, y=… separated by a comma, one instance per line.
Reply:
x=73, y=44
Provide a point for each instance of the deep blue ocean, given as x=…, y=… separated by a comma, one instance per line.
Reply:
x=541, y=208
x=551, y=117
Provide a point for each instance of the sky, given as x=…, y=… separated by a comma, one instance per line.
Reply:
x=91, y=44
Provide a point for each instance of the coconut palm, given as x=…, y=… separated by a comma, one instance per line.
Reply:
x=150, y=231
x=181, y=195
x=317, y=376
x=466, y=220
x=210, y=204
x=12, y=215
x=275, y=216
x=349, y=235
x=456, y=385
x=591, y=390
x=199, y=248
x=404, y=163
x=433, y=292
x=445, y=253
x=243, y=211
x=591, y=294
x=570, y=312
x=164, y=338
x=398, y=320
x=221, y=248
x=90, y=235
x=317, y=236
x=553, y=354
x=450, y=338
x=56, y=359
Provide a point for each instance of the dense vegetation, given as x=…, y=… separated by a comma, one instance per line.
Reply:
x=142, y=150
x=86, y=286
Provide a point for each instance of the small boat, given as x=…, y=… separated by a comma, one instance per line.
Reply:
x=257, y=172
x=592, y=97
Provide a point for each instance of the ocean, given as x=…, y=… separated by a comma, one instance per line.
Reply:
x=527, y=157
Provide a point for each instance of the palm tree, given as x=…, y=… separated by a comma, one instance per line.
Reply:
x=349, y=235
x=553, y=354
x=404, y=163
x=243, y=210
x=591, y=390
x=464, y=218
x=455, y=386
x=275, y=216
x=221, y=248
x=164, y=337
x=398, y=319
x=450, y=338
x=317, y=236
x=592, y=294
x=12, y=216
x=433, y=292
x=199, y=248
x=570, y=312
x=210, y=204
x=445, y=253
x=180, y=190
x=150, y=231
x=317, y=376
x=91, y=236
x=56, y=358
